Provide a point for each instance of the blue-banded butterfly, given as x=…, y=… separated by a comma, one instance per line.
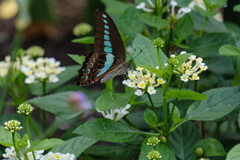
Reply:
x=108, y=57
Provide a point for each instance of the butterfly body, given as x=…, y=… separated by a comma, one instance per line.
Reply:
x=108, y=57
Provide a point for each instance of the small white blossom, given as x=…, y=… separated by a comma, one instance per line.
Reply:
x=142, y=6
x=139, y=92
x=29, y=79
x=151, y=90
x=184, y=78
x=58, y=156
x=115, y=114
x=53, y=78
x=183, y=52
x=172, y=55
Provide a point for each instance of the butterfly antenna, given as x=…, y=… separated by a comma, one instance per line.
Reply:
x=134, y=50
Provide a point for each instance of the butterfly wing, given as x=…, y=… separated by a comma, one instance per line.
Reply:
x=108, y=51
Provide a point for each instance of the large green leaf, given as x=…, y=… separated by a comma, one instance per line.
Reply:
x=5, y=137
x=150, y=117
x=229, y=50
x=75, y=145
x=184, y=27
x=162, y=148
x=69, y=73
x=208, y=44
x=115, y=6
x=211, y=147
x=234, y=153
x=112, y=100
x=86, y=40
x=45, y=144
x=236, y=8
x=183, y=140
x=148, y=53
x=77, y=58
x=129, y=22
x=183, y=94
x=154, y=21
x=219, y=103
x=107, y=130
x=57, y=104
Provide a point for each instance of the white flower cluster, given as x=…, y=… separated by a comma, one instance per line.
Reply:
x=10, y=154
x=181, y=12
x=41, y=69
x=143, y=7
x=143, y=80
x=116, y=114
x=191, y=69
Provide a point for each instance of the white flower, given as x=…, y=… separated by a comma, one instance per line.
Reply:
x=173, y=3
x=160, y=81
x=139, y=92
x=151, y=90
x=58, y=156
x=182, y=11
x=183, y=52
x=142, y=6
x=184, y=78
x=53, y=78
x=195, y=77
x=172, y=55
x=142, y=85
x=115, y=114
x=41, y=75
x=29, y=79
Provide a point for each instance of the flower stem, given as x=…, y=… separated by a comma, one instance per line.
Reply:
x=14, y=144
x=159, y=57
x=152, y=105
x=29, y=133
x=157, y=7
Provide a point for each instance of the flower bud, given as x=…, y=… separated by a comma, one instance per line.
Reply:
x=158, y=42
x=153, y=141
x=25, y=108
x=199, y=151
x=35, y=51
x=82, y=29
x=154, y=155
x=163, y=139
x=13, y=126
x=173, y=61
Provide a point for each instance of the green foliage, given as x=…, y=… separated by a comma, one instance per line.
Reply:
x=77, y=58
x=211, y=147
x=229, y=50
x=150, y=117
x=219, y=103
x=184, y=27
x=5, y=137
x=234, y=153
x=183, y=140
x=74, y=145
x=183, y=94
x=85, y=40
x=45, y=144
x=154, y=21
x=236, y=8
x=115, y=6
x=107, y=130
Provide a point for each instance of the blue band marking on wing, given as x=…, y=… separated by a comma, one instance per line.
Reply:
x=107, y=43
x=105, y=21
x=104, y=16
x=106, y=32
x=106, y=26
x=106, y=37
x=107, y=65
x=108, y=50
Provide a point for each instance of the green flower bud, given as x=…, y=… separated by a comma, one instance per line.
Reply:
x=13, y=126
x=25, y=108
x=173, y=61
x=35, y=51
x=158, y=42
x=199, y=151
x=154, y=155
x=163, y=139
x=153, y=141
x=82, y=29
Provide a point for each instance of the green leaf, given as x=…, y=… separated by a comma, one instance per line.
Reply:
x=150, y=117
x=214, y=4
x=86, y=40
x=183, y=94
x=157, y=100
x=112, y=100
x=107, y=130
x=5, y=137
x=181, y=59
x=183, y=140
x=236, y=8
x=148, y=53
x=57, y=104
x=234, y=153
x=164, y=151
x=204, y=12
x=158, y=72
x=115, y=6
x=176, y=117
x=69, y=73
x=208, y=44
x=75, y=145
x=229, y=50
x=219, y=103
x=77, y=58
x=45, y=144
x=184, y=27
x=129, y=20
x=211, y=147
x=154, y=21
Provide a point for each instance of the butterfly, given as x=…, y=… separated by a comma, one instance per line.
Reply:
x=108, y=57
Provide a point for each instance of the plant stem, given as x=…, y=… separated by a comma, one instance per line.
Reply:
x=157, y=7
x=152, y=105
x=159, y=57
x=203, y=26
x=129, y=122
x=14, y=144
x=29, y=133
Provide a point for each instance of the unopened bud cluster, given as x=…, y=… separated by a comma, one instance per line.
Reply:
x=154, y=155
x=13, y=126
x=25, y=109
x=158, y=42
x=153, y=141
